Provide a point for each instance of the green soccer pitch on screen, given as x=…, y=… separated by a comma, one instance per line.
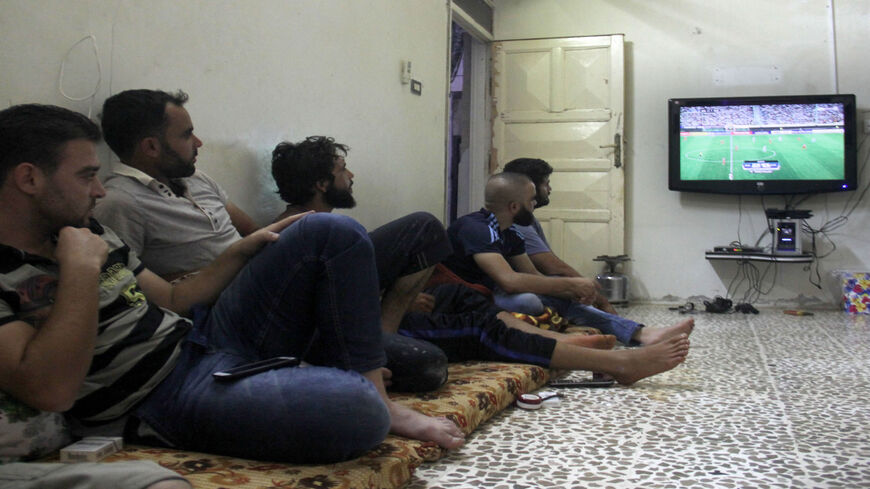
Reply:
x=763, y=145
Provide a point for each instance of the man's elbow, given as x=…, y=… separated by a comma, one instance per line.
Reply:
x=56, y=405
x=57, y=400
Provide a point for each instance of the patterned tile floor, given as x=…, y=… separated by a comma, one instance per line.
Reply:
x=766, y=400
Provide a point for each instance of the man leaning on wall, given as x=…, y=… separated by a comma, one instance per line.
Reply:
x=178, y=219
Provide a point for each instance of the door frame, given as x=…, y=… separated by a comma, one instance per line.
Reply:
x=473, y=175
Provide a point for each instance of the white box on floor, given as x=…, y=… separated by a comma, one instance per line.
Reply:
x=91, y=449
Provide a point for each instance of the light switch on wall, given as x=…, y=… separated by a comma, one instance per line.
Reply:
x=406, y=72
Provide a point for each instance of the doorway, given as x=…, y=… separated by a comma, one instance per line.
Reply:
x=469, y=131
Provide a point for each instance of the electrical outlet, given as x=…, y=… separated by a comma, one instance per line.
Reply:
x=867, y=124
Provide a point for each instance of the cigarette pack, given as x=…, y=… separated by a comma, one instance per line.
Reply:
x=91, y=449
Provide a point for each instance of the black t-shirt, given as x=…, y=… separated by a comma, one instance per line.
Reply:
x=475, y=233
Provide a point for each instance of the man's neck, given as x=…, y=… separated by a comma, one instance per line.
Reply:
x=293, y=209
x=317, y=204
x=149, y=170
x=26, y=235
x=504, y=218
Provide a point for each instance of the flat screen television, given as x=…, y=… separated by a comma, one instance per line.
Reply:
x=762, y=145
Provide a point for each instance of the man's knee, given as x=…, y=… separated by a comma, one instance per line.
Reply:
x=323, y=230
x=526, y=303
x=424, y=225
x=328, y=223
x=424, y=220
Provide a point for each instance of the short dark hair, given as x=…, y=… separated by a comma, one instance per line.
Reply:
x=36, y=134
x=534, y=168
x=132, y=115
x=297, y=167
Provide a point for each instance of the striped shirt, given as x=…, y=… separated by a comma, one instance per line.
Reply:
x=137, y=342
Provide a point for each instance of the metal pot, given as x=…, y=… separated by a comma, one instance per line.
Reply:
x=614, y=285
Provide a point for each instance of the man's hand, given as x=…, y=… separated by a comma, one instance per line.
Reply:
x=583, y=289
x=251, y=244
x=602, y=304
x=79, y=247
x=422, y=303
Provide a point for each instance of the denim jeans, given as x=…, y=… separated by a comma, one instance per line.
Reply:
x=404, y=246
x=583, y=315
x=407, y=245
x=574, y=312
x=312, y=294
x=526, y=302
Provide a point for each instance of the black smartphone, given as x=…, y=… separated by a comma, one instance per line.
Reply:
x=256, y=367
x=582, y=383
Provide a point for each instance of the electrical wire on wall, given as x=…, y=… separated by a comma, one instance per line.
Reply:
x=754, y=278
x=92, y=95
x=820, y=239
x=748, y=273
x=819, y=236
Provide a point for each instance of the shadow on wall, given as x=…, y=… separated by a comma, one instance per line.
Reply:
x=246, y=175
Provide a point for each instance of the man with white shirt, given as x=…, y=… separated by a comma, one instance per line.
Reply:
x=153, y=136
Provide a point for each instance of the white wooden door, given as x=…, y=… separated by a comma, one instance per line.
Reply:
x=562, y=100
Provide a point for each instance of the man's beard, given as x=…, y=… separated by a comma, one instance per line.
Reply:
x=542, y=200
x=174, y=166
x=339, y=198
x=524, y=217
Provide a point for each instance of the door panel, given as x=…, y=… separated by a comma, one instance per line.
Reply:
x=562, y=100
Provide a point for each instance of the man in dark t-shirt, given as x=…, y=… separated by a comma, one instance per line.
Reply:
x=489, y=250
x=313, y=175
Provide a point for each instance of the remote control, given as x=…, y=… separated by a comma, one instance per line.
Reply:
x=581, y=383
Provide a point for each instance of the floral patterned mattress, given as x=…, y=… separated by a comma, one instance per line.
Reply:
x=474, y=392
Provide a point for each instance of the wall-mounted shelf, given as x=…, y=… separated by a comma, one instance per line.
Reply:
x=796, y=258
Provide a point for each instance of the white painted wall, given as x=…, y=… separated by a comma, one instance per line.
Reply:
x=675, y=48
x=258, y=72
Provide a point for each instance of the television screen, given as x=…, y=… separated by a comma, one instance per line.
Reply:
x=762, y=145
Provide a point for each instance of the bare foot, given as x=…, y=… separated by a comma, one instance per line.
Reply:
x=412, y=424
x=654, y=359
x=651, y=336
x=597, y=341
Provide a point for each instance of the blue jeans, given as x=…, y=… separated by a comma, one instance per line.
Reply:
x=407, y=245
x=312, y=294
x=525, y=302
x=574, y=312
x=583, y=315
x=402, y=247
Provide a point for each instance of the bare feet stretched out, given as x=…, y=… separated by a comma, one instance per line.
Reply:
x=651, y=336
x=639, y=363
x=413, y=424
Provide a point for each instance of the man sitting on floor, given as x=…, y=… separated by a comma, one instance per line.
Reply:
x=179, y=220
x=312, y=175
x=175, y=217
x=488, y=250
x=85, y=327
x=537, y=248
